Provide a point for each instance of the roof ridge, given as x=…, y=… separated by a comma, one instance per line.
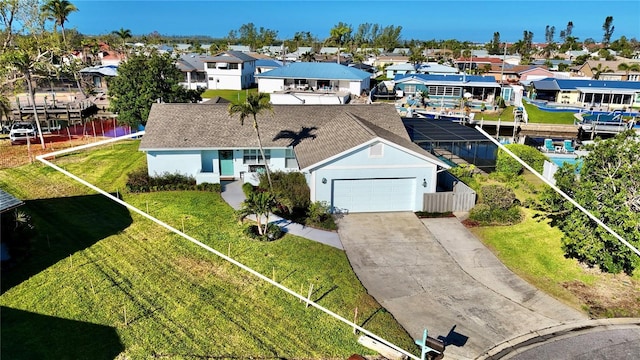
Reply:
x=361, y=123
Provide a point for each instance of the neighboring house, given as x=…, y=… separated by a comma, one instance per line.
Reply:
x=401, y=51
x=231, y=70
x=449, y=87
x=536, y=73
x=554, y=63
x=97, y=76
x=357, y=158
x=240, y=48
x=313, y=83
x=601, y=94
x=390, y=59
x=435, y=68
x=264, y=65
x=400, y=69
x=193, y=68
x=608, y=70
x=472, y=63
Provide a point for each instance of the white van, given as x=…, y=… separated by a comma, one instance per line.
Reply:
x=20, y=131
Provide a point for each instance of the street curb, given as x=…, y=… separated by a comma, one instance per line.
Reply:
x=539, y=336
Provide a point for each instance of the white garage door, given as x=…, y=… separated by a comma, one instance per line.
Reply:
x=374, y=195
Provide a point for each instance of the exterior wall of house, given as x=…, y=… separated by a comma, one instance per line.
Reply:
x=393, y=164
x=232, y=79
x=269, y=85
x=311, y=98
x=204, y=165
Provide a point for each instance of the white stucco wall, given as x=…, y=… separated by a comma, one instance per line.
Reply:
x=268, y=85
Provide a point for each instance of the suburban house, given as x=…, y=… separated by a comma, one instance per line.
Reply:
x=602, y=94
x=193, y=68
x=449, y=87
x=264, y=65
x=435, y=68
x=357, y=158
x=390, y=59
x=97, y=76
x=232, y=70
x=313, y=83
x=609, y=70
x=400, y=69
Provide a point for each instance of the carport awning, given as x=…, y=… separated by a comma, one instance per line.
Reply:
x=425, y=130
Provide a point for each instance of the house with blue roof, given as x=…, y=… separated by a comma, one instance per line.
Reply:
x=589, y=94
x=449, y=86
x=264, y=65
x=313, y=83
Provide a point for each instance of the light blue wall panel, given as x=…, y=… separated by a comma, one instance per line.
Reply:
x=183, y=162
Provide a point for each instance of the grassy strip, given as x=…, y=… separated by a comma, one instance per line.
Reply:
x=505, y=114
x=146, y=292
x=546, y=117
x=532, y=250
x=231, y=95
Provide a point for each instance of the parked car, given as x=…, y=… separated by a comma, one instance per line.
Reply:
x=20, y=131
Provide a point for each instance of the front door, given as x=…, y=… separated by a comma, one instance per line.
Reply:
x=226, y=162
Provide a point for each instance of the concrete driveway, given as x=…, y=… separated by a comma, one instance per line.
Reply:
x=434, y=273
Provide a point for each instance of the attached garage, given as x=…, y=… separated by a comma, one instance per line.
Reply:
x=374, y=195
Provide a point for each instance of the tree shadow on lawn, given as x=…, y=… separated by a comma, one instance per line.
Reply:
x=27, y=335
x=64, y=226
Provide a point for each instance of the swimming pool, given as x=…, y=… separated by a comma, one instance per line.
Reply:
x=565, y=159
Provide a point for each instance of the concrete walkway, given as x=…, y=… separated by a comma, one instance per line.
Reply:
x=233, y=195
x=435, y=274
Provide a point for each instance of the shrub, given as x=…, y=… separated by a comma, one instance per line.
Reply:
x=497, y=197
x=319, y=215
x=290, y=189
x=506, y=165
x=247, y=189
x=274, y=232
x=140, y=181
x=485, y=215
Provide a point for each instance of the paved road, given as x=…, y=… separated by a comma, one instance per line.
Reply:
x=447, y=282
x=618, y=344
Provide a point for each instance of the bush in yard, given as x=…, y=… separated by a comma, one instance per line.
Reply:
x=319, y=215
x=140, y=181
x=290, y=189
x=510, y=167
x=498, y=206
x=247, y=189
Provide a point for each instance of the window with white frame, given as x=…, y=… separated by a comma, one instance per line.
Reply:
x=252, y=157
x=409, y=89
x=290, y=161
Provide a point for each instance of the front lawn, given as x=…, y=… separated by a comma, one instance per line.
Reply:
x=120, y=284
x=234, y=96
x=546, y=117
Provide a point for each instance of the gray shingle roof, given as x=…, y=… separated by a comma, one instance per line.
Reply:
x=231, y=57
x=330, y=129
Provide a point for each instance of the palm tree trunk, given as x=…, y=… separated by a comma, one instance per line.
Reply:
x=64, y=39
x=264, y=158
x=35, y=110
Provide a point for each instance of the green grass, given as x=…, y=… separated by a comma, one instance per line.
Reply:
x=532, y=250
x=505, y=114
x=231, y=95
x=93, y=261
x=546, y=117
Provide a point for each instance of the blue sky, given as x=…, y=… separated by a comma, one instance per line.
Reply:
x=463, y=20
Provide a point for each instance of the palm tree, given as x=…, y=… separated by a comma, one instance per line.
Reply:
x=627, y=68
x=261, y=204
x=254, y=105
x=307, y=57
x=340, y=34
x=58, y=11
x=598, y=70
x=123, y=34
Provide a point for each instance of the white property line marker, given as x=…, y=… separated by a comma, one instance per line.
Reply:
x=42, y=158
x=564, y=195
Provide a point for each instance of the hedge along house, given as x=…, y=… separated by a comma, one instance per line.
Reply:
x=602, y=94
x=357, y=158
x=450, y=87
